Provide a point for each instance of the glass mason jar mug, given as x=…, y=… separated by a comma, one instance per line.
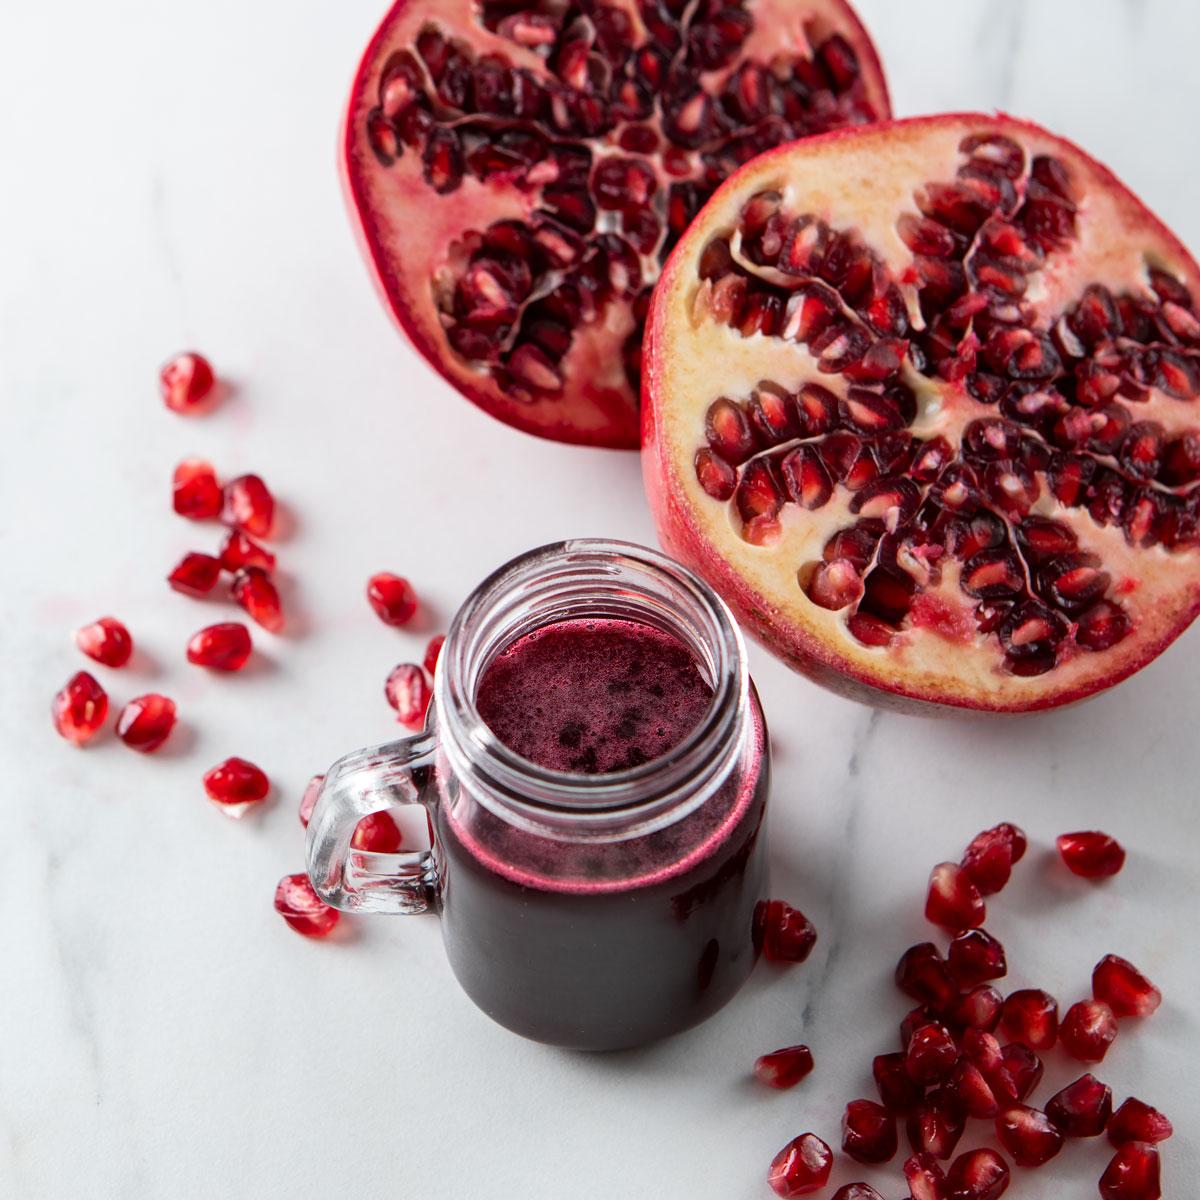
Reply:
x=595, y=911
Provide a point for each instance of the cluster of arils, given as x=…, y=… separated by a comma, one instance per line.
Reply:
x=618, y=128
x=969, y=1053
x=1048, y=424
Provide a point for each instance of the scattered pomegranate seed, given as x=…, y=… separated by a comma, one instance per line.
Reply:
x=105, y=640
x=801, y=1167
x=896, y=1088
x=924, y=975
x=926, y=1180
x=433, y=652
x=238, y=551
x=1030, y=1018
x=1028, y=1135
x=1082, y=1108
x=302, y=908
x=931, y=1054
x=224, y=647
x=196, y=492
x=1124, y=988
x=79, y=709
x=392, y=598
x=784, y=1068
x=936, y=1124
x=146, y=722
x=249, y=506
x=195, y=574
x=377, y=833
x=235, y=785
x=988, y=860
x=309, y=800
x=954, y=901
x=1135, y=1121
x=977, y=1175
x=1022, y=1070
x=868, y=1132
x=1132, y=1174
x=254, y=590
x=980, y=1008
x=970, y=1087
x=786, y=934
x=856, y=1191
x=187, y=380
x=975, y=957
x=913, y=1020
x=983, y=1050
x=1092, y=855
x=407, y=691
x=1087, y=1030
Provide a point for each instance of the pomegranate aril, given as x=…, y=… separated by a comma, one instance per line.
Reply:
x=249, y=506
x=105, y=640
x=975, y=957
x=935, y=1125
x=1136, y=1121
x=834, y=585
x=953, y=900
x=392, y=598
x=146, y=722
x=856, y=1191
x=1087, y=1030
x=801, y=1167
x=1120, y=985
x=407, y=691
x=224, y=647
x=235, y=785
x=377, y=833
x=979, y=1008
x=1082, y=1108
x=925, y=1177
x=79, y=709
x=186, y=381
x=1028, y=1135
x=1132, y=1174
x=970, y=1087
x=254, y=590
x=1092, y=854
x=238, y=551
x=784, y=1068
x=924, y=975
x=785, y=933
x=195, y=574
x=931, y=1054
x=897, y=1090
x=806, y=479
x=868, y=1132
x=1021, y=1072
x=989, y=858
x=302, y=908
x=433, y=652
x=196, y=493
x=1102, y=626
x=309, y=800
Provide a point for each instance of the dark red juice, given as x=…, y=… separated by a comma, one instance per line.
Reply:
x=601, y=945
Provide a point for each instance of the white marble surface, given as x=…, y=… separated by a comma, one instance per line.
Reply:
x=169, y=180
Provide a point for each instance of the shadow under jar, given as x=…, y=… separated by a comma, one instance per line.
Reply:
x=611, y=903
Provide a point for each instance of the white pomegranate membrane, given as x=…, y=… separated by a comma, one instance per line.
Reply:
x=922, y=406
x=520, y=173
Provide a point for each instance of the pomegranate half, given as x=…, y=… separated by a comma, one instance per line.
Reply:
x=519, y=171
x=920, y=401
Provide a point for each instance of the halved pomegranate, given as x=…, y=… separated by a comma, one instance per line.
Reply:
x=920, y=401
x=519, y=171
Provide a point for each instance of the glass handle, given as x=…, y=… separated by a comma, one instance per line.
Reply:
x=356, y=786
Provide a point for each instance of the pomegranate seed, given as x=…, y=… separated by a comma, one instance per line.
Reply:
x=302, y=908
x=971, y=1088
x=1124, y=988
x=924, y=975
x=146, y=722
x=1028, y=1135
x=786, y=934
x=896, y=1089
x=1088, y=1030
x=195, y=574
x=856, y=1191
x=869, y=1132
x=1093, y=855
x=936, y=1124
x=980, y=1008
x=931, y=1054
x=187, y=380
x=253, y=589
x=235, y=785
x=926, y=1180
x=913, y=1020
x=377, y=833
x=224, y=647
x=975, y=957
x=238, y=551
x=1138, y=1122
x=988, y=860
x=79, y=709
x=105, y=640
x=407, y=691
x=784, y=1068
x=1022, y=1070
x=801, y=1167
x=196, y=492
x=954, y=901
x=392, y=598
x=309, y=800
x=1082, y=1108
x=1132, y=1174
x=433, y=652
x=249, y=506
x=977, y=1175
x=1030, y=1017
